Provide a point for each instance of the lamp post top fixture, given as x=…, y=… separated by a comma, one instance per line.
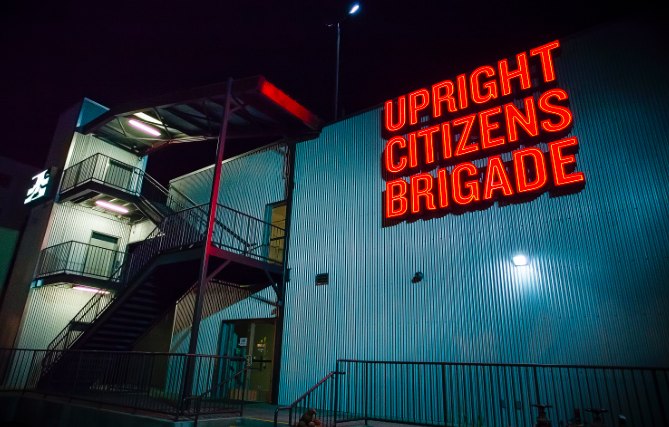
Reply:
x=355, y=7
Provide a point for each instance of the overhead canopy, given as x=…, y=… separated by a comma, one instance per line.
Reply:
x=260, y=113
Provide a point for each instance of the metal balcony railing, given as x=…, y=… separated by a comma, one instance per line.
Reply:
x=105, y=170
x=80, y=259
x=112, y=173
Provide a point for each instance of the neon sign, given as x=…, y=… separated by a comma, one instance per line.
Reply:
x=434, y=134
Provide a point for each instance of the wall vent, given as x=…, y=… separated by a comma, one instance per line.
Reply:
x=322, y=279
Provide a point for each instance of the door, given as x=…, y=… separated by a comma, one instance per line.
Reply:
x=101, y=255
x=254, y=341
x=119, y=175
x=275, y=216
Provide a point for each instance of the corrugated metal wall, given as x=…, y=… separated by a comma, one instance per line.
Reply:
x=210, y=327
x=140, y=231
x=248, y=182
x=84, y=146
x=48, y=310
x=73, y=222
x=595, y=291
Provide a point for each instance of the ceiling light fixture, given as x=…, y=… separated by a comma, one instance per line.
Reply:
x=148, y=118
x=112, y=207
x=88, y=289
x=143, y=127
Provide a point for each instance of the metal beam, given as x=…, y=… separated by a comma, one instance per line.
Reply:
x=204, y=266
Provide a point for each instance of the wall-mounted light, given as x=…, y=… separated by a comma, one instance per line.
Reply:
x=89, y=289
x=112, y=207
x=417, y=277
x=520, y=260
x=143, y=127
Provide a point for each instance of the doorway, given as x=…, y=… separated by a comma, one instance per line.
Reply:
x=254, y=341
x=119, y=175
x=101, y=255
x=275, y=215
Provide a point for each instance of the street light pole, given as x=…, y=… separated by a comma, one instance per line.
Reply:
x=352, y=11
x=336, y=97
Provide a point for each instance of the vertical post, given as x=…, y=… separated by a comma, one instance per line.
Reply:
x=204, y=266
x=658, y=393
x=336, y=98
x=443, y=393
x=335, y=407
x=366, y=391
x=281, y=295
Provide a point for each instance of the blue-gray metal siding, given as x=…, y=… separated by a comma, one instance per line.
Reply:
x=85, y=146
x=248, y=182
x=210, y=327
x=48, y=310
x=596, y=288
x=73, y=222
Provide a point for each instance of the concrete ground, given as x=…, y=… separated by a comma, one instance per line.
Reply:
x=25, y=410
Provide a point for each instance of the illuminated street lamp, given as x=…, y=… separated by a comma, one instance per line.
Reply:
x=355, y=8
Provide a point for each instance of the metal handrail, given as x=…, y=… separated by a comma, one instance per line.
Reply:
x=251, y=238
x=304, y=397
x=150, y=382
x=462, y=393
x=181, y=228
x=80, y=258
x=197, y=400
x=127, y=178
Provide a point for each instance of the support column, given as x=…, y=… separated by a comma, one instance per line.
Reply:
x=204, y=266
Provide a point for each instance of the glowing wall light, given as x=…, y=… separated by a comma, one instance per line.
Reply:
x=143, y=127
x=112, y=207
x=520, y=260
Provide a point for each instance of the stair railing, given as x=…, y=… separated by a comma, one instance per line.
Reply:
x=134, y=263
x=210, y=401
x=322, y=398
x=178, y=230
x=244, y=234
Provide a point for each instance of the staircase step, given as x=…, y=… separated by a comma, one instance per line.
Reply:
x=124, y=313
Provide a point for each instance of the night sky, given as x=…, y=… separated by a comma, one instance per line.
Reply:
x=57, y=52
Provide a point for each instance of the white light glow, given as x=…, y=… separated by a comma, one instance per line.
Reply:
x=112, y=207
x=148, y=118
x=354, y=9
x=520, y=260
x=87, y=289
x=145, y=128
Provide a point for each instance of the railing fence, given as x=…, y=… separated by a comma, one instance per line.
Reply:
x=133, y=380
x=478, y=394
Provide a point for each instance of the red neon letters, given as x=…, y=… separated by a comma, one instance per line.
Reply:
x=434, y=133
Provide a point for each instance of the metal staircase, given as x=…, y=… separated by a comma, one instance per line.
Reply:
x=159, y=271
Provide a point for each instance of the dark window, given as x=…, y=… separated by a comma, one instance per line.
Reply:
x=5, y=180
x=322, y=279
